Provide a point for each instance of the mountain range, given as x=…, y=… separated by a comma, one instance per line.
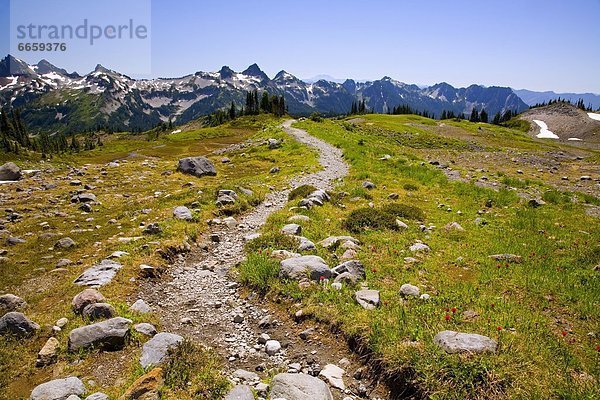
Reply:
x=531, y=98
x=53, y=99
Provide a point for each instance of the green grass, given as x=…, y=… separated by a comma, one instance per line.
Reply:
x=259, y=270
x=545, y=306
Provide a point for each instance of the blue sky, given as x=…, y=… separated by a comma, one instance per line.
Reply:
x=538, y=45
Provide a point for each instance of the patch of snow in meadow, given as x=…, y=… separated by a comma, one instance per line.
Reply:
x=176, y=131
x=545, y=133
x=594, y=116
x=575, y=139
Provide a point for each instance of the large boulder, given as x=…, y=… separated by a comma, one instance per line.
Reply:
x=100, y=274
x=182, y=212
x=197, y=166
x=300, y=267
x=10, y=172
x=352, y=267
x=458, y=342
x=155, y=350
x=18, y=324
x=10, y=302
x=106, y=335
x=299, y=387
x=85, y=298
x=58, y=389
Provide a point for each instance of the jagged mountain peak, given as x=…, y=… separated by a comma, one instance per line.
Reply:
x=226, y=72
x=12, y=66
x=254, y=70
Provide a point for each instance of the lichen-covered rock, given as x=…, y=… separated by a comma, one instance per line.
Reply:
x=197, y=166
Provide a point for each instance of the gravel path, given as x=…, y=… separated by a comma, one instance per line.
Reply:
x=199, y=300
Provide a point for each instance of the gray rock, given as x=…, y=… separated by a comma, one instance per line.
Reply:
x=84, y=198
x=58, y=389
x=419, y=247
x=197, y=166
x=140, y=306
x=63, y=262
x=298, y=218
x=182, y=212
x=65, y=243
x=100, y=274
x=368, y=299
x=333, y=241
x=401, y=225
x=368, y=185
x=454, y=226
x=407, y=290
x=98, y=311
x=457, y=342
x=245, y=376
x=224, y=200
x=334, y=376
x=17, y=324
x=145, y=329
x=155, y=350
x=274, y=143
x=353, y=267
x=240, y=392
x=299, y=387
x=97, y=396
x=274, y=170
x=106, y=335
x=303, y=266
x=85, y=298
x=10, y=172
x=305, y=244
x=272, y=347
x=152, y=229
x=9, y=302
x=12, y=241
x=291, y=229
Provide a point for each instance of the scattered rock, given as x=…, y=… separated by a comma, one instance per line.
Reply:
x=299, y=387
x=240, y=392
x=97, y=396
x=197, y=166
x=274, y=170
x=291, y=229
x=334, y=241
x=454, y=226
x=18, y=324
x=106, y=335
x=401, y=225
x=333, y=375
x=65, y=243
x=145, y=329
x=245, y=376
x=100, y=274
x=10, y=172
x=407, y=290
x=85, y=298
x=299, y=267
x=457, y=342
x=84, y=198
x=272, y=347
x=305, y=244
x=352, y=267
x=419, y=247
x=274, y=143
x=140, y=306
x=368, y=185
x=9, y=302
x=48, y=354
x=145, y=387
x=182, y=212
x=367, y=298
x=152, y=229
x=58, y=389
x=155, y=350
x=298, y=218
x=98, y=311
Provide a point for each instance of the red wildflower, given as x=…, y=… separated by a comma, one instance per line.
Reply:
x=447, y=317
x=453, y=310
x=492, y=305
x=499, y=328
x=598, y=348
x=385, y=303
x=446, y=309
x=374, y=270
x=322, y=278
x=498, y=265
x=564, y=333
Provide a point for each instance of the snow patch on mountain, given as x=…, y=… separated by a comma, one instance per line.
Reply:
x=545, y=133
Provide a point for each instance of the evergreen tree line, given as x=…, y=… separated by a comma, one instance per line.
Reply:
x=14, y=137
x=406, y=109
x=359, y=107
x=478, y=116
x=579, y=104
x=268, y=104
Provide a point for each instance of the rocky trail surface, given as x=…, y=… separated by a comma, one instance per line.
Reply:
x=199, y=299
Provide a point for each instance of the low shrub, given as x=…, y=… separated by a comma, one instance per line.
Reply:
x=301, y=192
x=258, y=270
x=369, y=218
x=404, y=211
